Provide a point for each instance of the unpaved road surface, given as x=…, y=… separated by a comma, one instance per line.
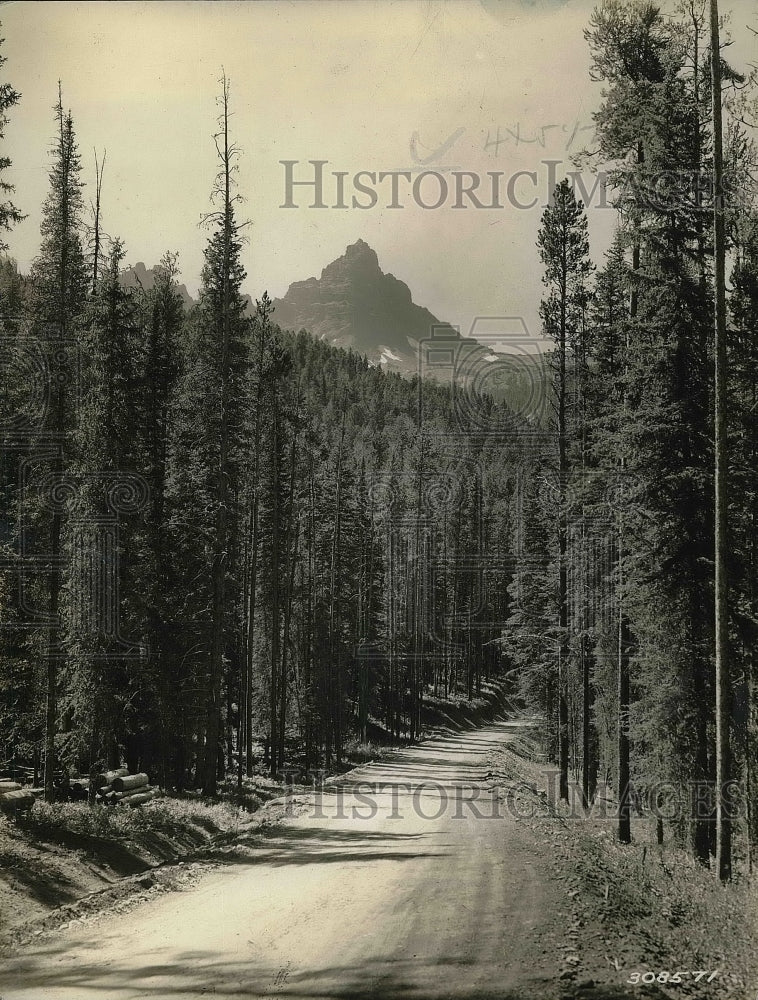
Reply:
x=388, y=885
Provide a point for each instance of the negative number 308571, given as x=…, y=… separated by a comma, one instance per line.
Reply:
x=696, y=976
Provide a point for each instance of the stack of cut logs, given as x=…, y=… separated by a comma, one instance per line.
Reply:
x=111, y=788
x=14, y=797
x=121, y=788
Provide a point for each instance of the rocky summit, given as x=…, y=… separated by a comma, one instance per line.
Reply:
x=355, y=304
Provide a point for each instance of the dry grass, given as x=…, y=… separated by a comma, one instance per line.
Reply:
x=161, y=816
x=251, y=793
x=640, y=907
x=678, y=914
x=361, y=753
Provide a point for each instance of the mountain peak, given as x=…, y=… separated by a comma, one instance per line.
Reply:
x=357, y=256
x=361, y=249
x=355, y=304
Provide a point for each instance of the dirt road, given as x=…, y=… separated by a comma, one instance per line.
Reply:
x=391, y=884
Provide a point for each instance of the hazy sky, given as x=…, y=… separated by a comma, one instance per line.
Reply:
x=485, y=85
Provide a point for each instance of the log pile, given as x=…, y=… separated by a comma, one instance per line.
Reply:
x=121, y=788
x=116, y=787
x=14, y=798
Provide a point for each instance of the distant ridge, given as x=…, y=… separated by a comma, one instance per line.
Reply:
x=140, y=276
x=354, y=304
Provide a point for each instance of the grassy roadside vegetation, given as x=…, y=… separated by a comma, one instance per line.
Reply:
x=61, y=853
x=683, y=919
x=637, y=909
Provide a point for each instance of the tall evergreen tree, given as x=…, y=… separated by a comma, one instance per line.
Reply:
x=99, y=549
x=60, y=283
x=223, y=331
x=564, y=250
x=162, y=326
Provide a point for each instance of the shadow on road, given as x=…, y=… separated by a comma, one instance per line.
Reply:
x=195, y=974
x=307, y=845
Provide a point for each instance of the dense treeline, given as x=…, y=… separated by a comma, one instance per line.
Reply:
x=627, y=589
x=225, y=541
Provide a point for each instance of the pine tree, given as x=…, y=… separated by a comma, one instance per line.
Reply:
x=262, y=338
x=100, y=551
x=650, y=125
x=162, y=326
x=723, y=708
x=564, y=250
x=744, y=477
x=224, y=333
x=60, y=282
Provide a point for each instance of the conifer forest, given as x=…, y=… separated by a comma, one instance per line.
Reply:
x=231, y=548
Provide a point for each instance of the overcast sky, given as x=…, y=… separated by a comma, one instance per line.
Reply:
x=480, y=86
